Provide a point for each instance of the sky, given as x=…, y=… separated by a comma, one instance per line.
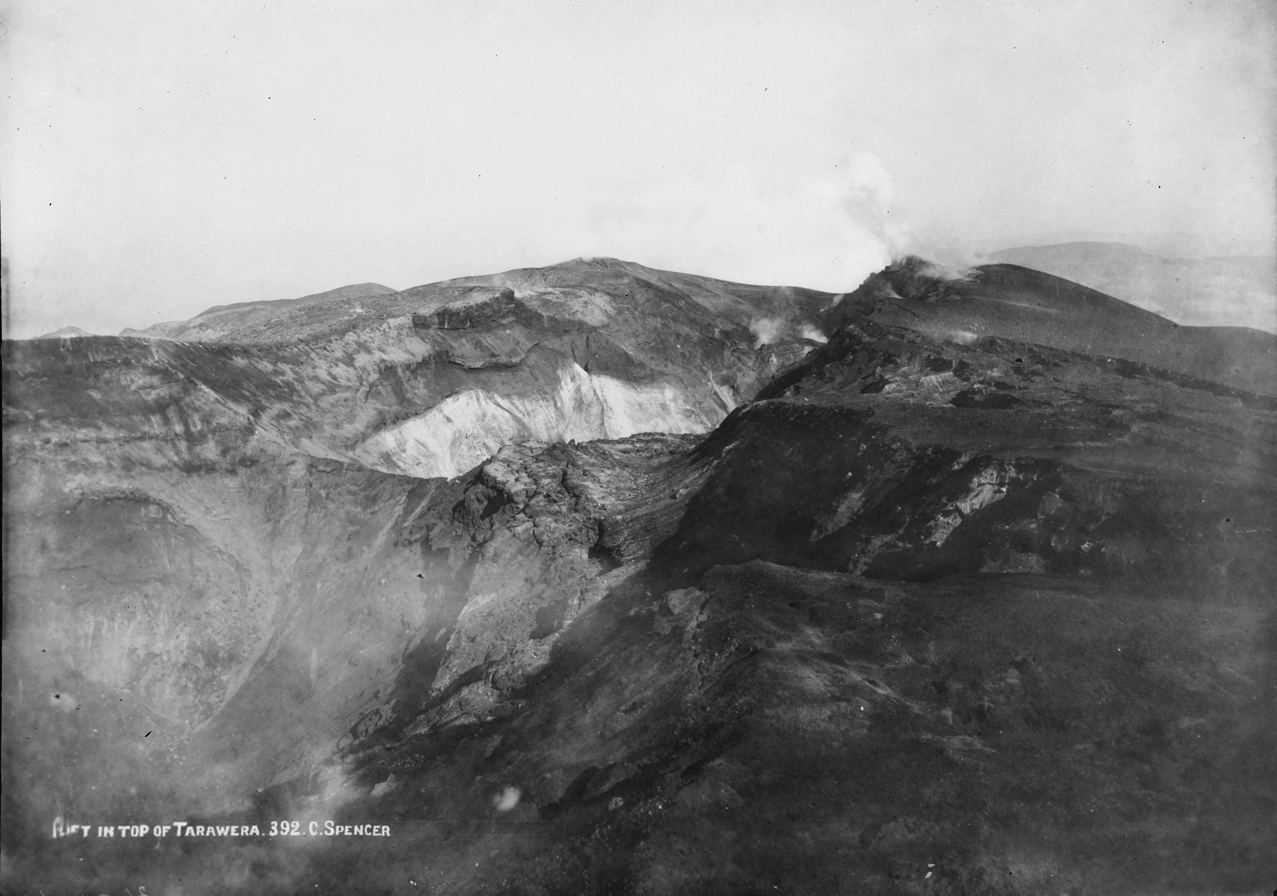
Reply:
x=159, y=158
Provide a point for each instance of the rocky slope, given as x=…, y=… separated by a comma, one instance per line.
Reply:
x=1013, y=302
x=414, y=383
x=942, y=609
x=186, y=521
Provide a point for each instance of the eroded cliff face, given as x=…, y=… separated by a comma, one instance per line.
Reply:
x=432, y=380
x=929, y=614
x=469, y=427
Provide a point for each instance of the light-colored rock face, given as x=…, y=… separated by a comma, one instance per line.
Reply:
x=465, y=429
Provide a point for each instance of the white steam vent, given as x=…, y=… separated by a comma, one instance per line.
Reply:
x=766, y=330
x=507, y=799
x=812, y=333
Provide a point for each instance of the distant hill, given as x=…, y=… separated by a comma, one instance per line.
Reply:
x=1235, y=291
x=66, y=333
x=214, y=323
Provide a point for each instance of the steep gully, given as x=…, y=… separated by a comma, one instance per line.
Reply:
x=907, y=564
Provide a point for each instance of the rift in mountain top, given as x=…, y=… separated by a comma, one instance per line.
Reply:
x=898, y=573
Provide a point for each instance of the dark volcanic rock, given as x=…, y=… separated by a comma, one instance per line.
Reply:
x=1010, y=302
x=874, y=457
x=966, y=600
x=474, y=306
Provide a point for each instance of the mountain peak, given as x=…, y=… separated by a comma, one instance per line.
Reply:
x=66, y=333
x=1219, y=291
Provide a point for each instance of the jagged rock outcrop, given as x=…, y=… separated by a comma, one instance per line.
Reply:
x=473, y=307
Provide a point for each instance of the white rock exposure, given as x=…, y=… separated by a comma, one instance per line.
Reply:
x=467, y=428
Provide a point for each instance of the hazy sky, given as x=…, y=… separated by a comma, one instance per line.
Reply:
x=161, y=157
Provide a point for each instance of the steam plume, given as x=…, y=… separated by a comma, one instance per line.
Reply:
x=809, y=332
x=766, y=330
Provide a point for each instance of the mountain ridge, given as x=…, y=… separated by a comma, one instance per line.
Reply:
x=955, y=601
x=203, y=325
x=1024, y=304
x=1216, y=290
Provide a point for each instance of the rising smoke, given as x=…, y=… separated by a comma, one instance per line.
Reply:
x=812, y=334
x=827, y=230
x=869, y=201
x=766, y=330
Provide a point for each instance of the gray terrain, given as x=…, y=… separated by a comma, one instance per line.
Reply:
x=1237, y=290
x=600, y=579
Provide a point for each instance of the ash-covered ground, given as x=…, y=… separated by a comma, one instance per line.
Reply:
x=599, y=579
